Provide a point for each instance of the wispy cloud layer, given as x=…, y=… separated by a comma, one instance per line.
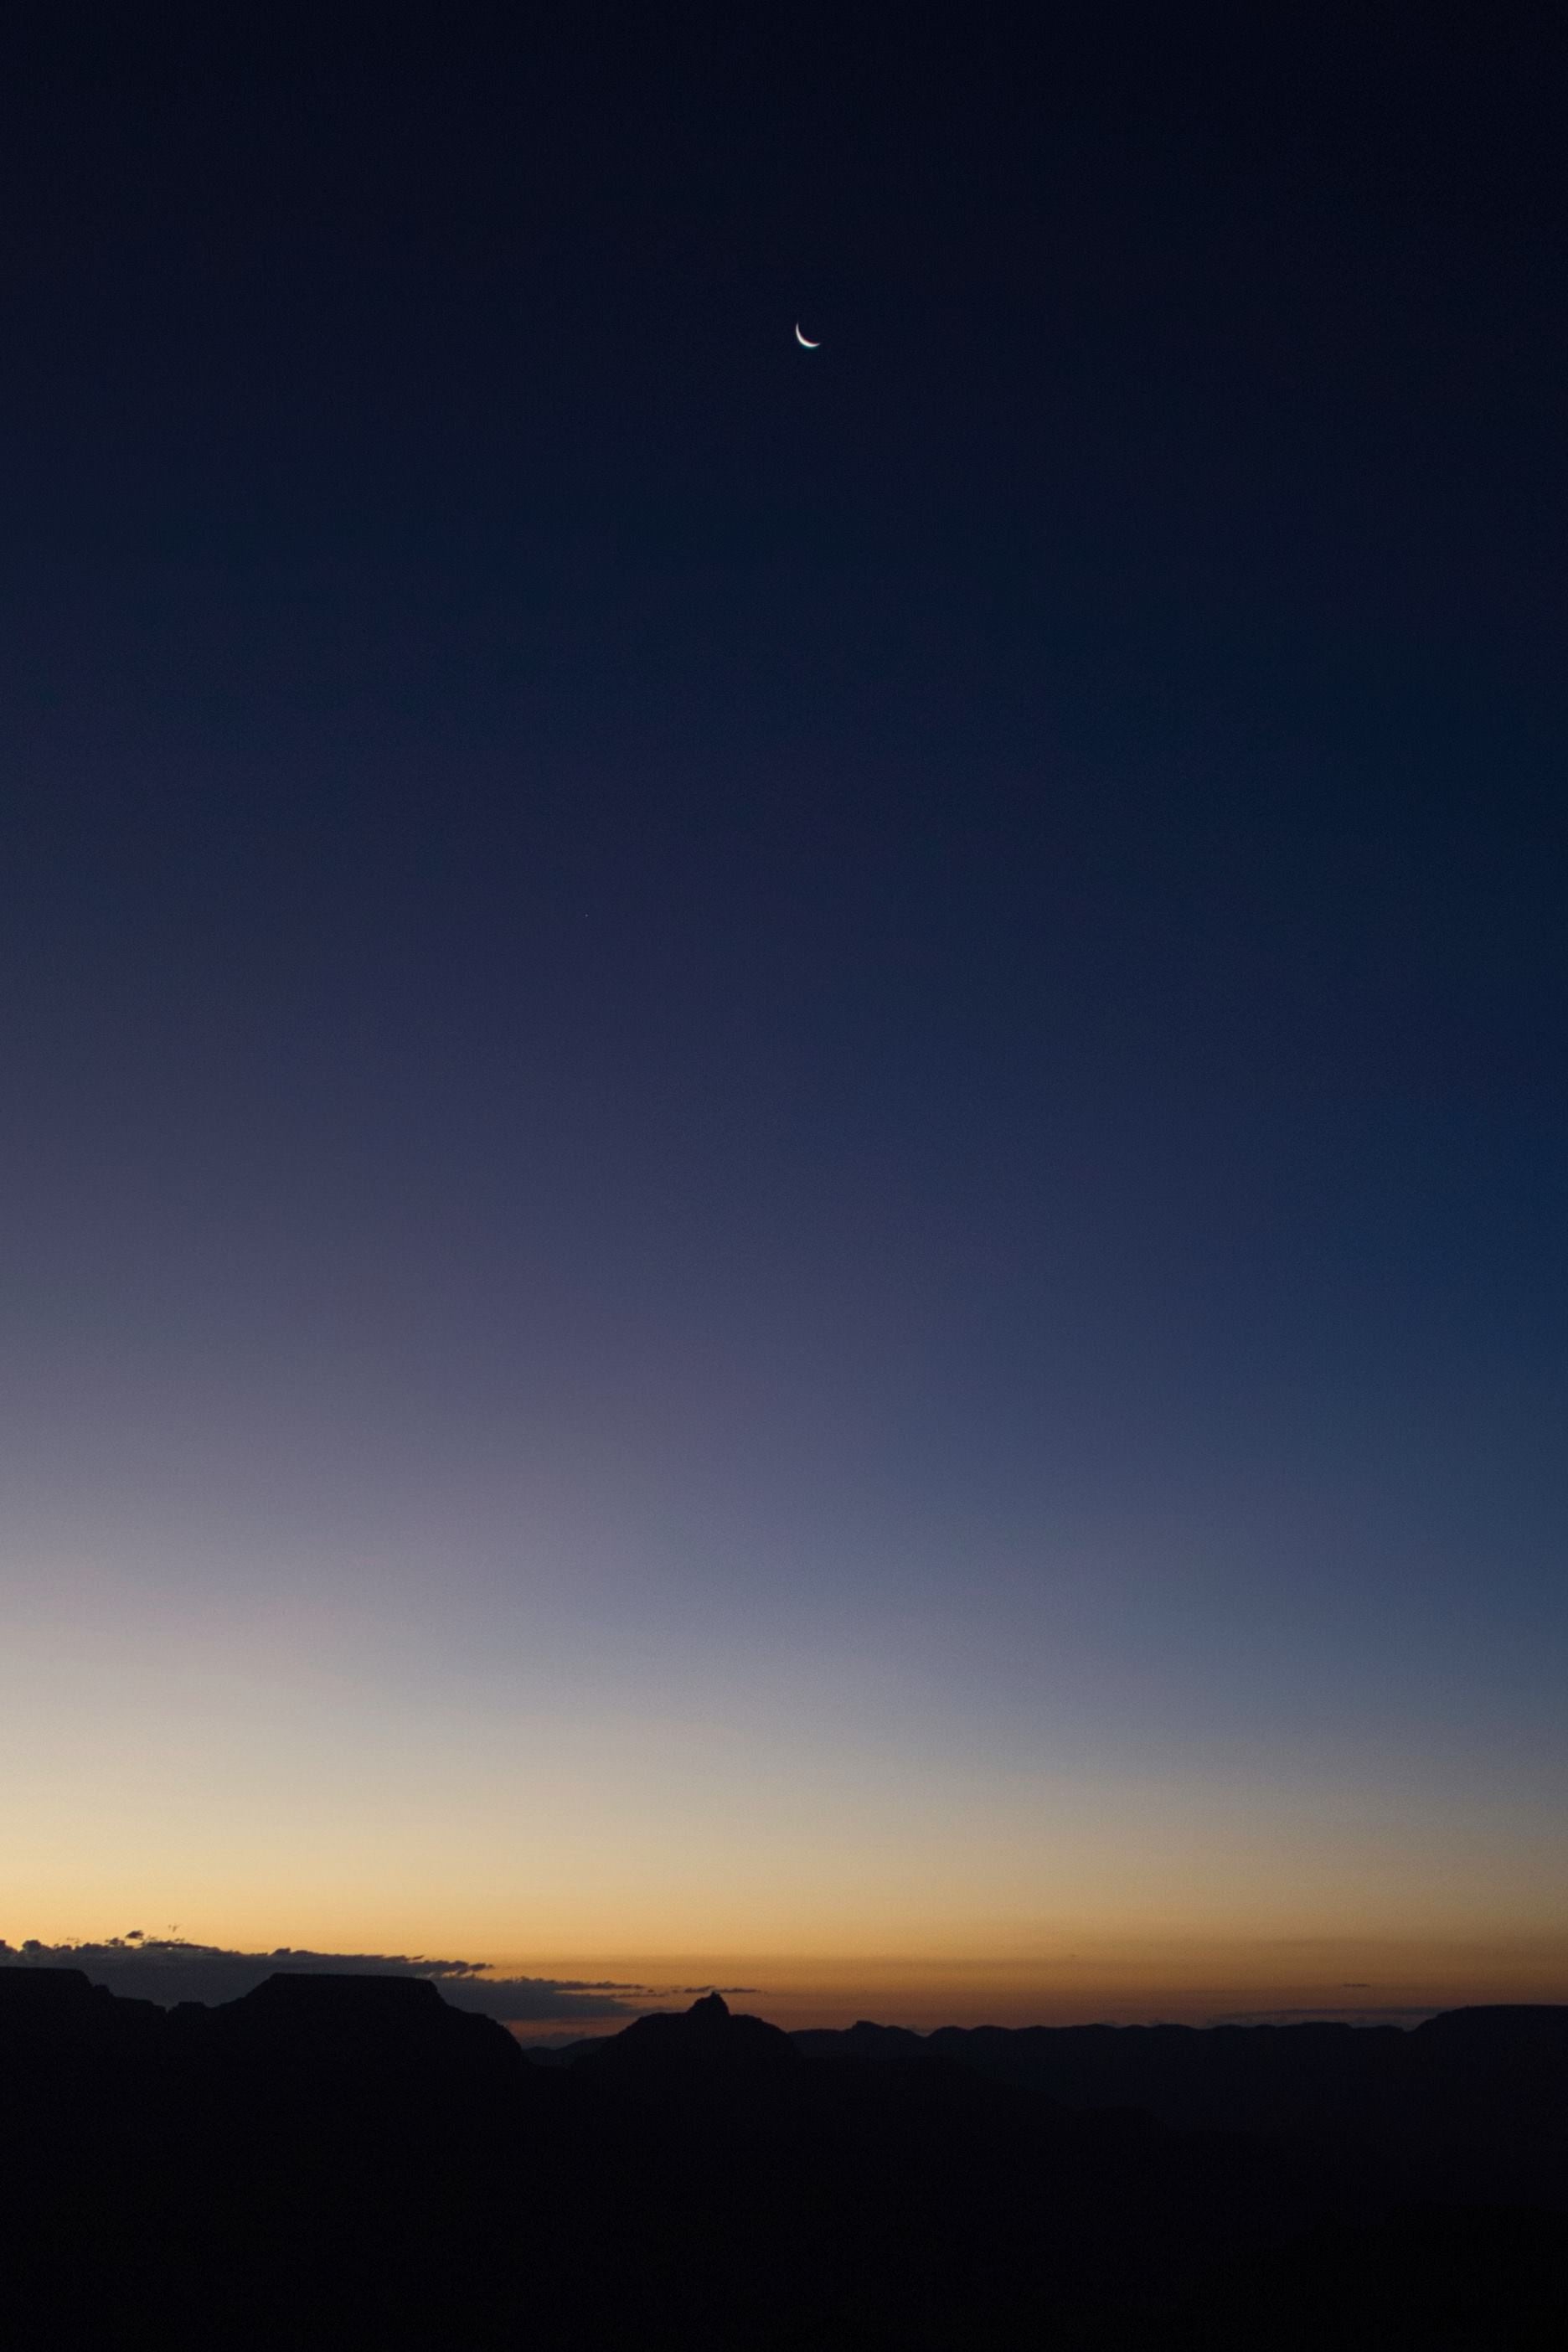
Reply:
x=168, y=1970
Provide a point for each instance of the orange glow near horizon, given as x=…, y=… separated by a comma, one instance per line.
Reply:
x=1194, y=1983
x=821, y=1843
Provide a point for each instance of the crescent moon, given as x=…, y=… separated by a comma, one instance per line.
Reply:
x=805, y=346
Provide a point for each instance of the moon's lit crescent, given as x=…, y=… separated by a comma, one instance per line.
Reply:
x=805, y=346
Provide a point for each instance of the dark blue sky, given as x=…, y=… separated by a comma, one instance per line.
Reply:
x=876, y=1030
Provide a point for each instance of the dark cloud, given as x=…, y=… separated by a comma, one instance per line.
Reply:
x=695, y=1992
x=1325, y=2017
x=168, y=1970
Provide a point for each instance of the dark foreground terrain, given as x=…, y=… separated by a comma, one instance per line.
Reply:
x=336, y=2161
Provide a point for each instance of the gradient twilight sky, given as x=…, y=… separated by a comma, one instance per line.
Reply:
x=783, y=1132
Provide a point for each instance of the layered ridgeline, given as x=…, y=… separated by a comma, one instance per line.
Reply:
x=336, y=2160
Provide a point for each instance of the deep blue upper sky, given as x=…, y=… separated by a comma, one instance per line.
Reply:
x=911, y=977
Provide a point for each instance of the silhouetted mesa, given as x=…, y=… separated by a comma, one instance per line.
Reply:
x=338, y=2161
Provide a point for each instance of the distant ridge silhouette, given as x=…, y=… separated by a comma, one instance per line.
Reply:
x=334, y=2161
